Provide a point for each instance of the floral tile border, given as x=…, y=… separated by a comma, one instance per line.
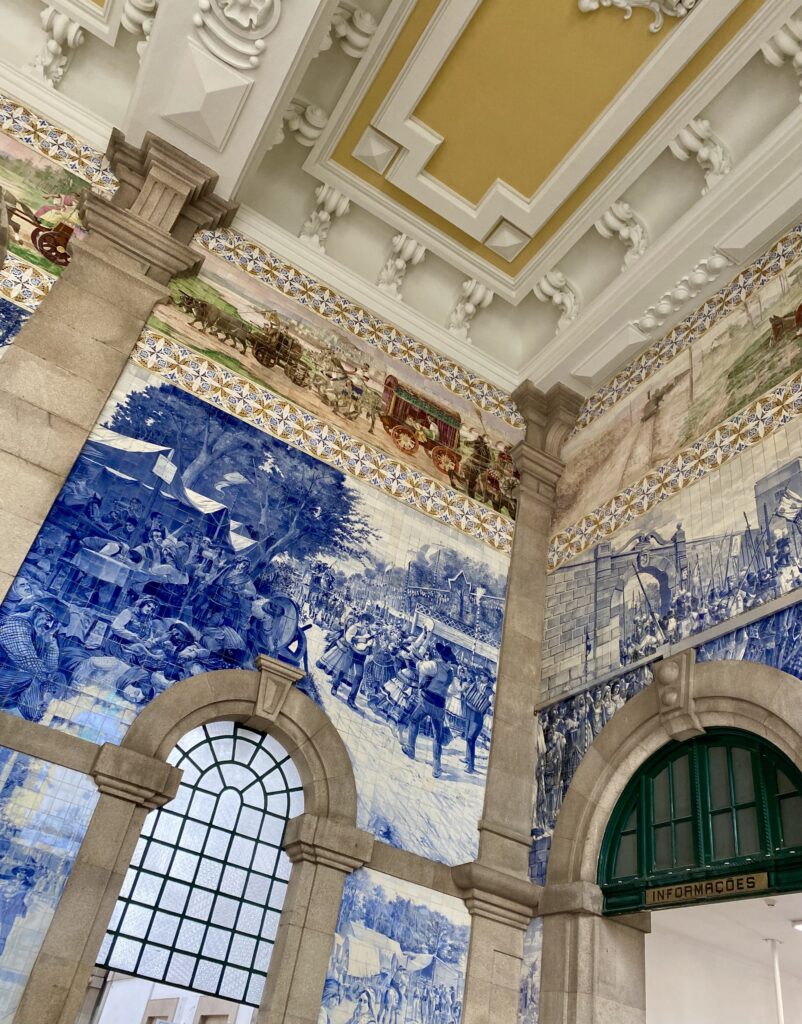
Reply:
x=286, y=421
x=58, y=145
x=266, y=266
x=23, y=283
x=758, y=421
x=773, y=262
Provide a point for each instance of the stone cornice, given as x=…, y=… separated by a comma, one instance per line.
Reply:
x=496, y=895
x=129, y=775
x=327, y=841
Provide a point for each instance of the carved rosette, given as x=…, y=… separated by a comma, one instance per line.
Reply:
x=235, y=30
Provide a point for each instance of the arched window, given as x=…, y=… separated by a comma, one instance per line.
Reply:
x=721, y=804
x=201, y=902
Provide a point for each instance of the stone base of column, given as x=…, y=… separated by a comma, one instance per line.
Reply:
x=594, y=967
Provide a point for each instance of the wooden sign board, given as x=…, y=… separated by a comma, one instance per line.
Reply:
x=710, y=889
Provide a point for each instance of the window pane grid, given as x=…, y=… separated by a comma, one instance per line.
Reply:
x=197, y=912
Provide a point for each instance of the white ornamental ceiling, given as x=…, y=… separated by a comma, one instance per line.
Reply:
x=539, y=191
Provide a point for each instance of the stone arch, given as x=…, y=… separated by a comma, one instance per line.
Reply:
x=134, y=777
x=301, y=726
x=743, y=695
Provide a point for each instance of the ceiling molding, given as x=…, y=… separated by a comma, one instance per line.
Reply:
x=407, y=319
x=396, y=119
x=92, y=130
x=102, y=20
x=767, y=185
x=320, y=163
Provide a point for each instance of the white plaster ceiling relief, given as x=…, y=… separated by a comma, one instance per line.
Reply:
x=353, y=28
x=399, y=146
x=621, y=221
x=555, y=287
x=698, y=141
x=404, y=252
x=329, y=204
x=506, y=240
x=704, y=273
x=304, y=121
x=659, y=8
x=137, y=18
x=215, y=72
x=206, y=97
x=62, y=37
x=786, y=46
x=473, y=296
x=235, y=30
x=375, y=150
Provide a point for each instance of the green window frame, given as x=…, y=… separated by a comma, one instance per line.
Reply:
x=724, y=803
x=201, y=901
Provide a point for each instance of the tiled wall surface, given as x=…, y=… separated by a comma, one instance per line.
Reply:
x=44, y=813
x=716, y=549
x=399, y=954
x=186, y=540
x=706, y=443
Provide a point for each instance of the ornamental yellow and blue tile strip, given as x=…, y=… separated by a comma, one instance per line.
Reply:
x=767, y=266
x=56, y=144
x=269, y=268
x=23, y=283
x=282, y=419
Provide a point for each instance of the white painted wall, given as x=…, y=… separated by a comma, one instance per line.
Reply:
x=690, y=982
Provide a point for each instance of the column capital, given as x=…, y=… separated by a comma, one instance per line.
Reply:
x=164, y=197
x=328, y=841
x=572, y=898
x=550, y=416
x=137, y=778
x=496, y=895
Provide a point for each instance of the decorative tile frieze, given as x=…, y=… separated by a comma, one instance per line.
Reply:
x=767, y=266
x=24, y=284
x=286, y=421
x=266, y=266
x=751, y=426
x=56, y=144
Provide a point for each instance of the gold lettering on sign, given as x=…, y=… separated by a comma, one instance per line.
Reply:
x=710, y=889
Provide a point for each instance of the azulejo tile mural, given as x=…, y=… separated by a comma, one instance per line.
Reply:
x=566, y=731
x=43, y=171
x=255, y=404
x=399, y=955
x=775, y=262
x=695, y=409
x=384, y=389
x=728, y=544
x=186, y=540
x=44, y=814
x=272, y=270
x=529, y=1003
x=748, y=429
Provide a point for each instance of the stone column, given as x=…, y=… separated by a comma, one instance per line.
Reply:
x=130, y=785
x=497, y=889
x=501, y=906
x=593, y=967
x=323, y=851
x=506, y=825
x=61, y=369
